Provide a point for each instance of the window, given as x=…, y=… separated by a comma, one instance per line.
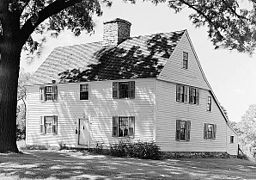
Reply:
x=123, y=90
x=48, y=93
x=49, y=124
x=193, y=95
x=209, y=131
x=231, y=139
x=181, y=93
x=183, y=130
x=123, y=126
x=84, y=92
x=209, y=103
x=185, y=60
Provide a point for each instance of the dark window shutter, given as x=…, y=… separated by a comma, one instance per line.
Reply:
x=197, y=96
x=214, y=131
x=55, y=125
x=42, y=93
x=115, y=126
x=115, y=90
x=55, y=93
x=131, y=126
x=131, y=89
x=205, y=130
x=178, y=93
x=190, y=94
x=188, y=127
x=185, y=93
x=178, y=130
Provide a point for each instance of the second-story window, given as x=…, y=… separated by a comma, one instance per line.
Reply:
x=185, y=60
x=84, y=92
x=193, y=95
x=123, y=90
x=181, y=93
x=48, y=93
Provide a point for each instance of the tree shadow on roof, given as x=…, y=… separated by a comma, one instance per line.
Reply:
x=135, y=58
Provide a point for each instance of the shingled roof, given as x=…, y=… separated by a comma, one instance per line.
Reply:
x=136, y=57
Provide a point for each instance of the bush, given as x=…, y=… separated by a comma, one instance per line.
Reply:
x=20, y=132
x=142, y=150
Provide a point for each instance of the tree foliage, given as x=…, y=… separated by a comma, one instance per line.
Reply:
x=246, y=128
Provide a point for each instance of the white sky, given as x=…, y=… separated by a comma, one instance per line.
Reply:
x=232, y=75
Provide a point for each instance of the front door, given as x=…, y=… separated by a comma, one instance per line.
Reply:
x=83, y=131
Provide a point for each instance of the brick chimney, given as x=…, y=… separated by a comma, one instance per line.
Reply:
x=116, y=31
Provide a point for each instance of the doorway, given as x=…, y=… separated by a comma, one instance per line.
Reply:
x=83, y=131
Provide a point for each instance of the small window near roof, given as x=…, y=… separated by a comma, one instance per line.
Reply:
x=185, y=60
x=231, y=139
x=209, y=103
x=48, y=93
x=84, y=95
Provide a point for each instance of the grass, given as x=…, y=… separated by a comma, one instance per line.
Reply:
x=68, y=164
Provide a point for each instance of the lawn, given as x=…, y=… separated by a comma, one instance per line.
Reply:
x=83, y=165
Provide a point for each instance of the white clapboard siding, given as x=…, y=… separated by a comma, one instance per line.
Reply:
x=168, y=111
x=232, y=148
x=100, y=108
x=173, y=70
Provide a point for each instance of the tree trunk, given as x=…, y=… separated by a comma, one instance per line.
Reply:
x=9, y=73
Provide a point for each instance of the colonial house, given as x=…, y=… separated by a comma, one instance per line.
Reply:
x=145, y=88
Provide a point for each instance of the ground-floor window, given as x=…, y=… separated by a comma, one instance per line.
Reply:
x=231, y=139
x=123, y=126
x=183, y=130
x=209, y=131
x=49, y=125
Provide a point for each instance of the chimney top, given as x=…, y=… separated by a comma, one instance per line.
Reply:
x=116, y=31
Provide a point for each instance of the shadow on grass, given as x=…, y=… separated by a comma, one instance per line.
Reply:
x=82, y=165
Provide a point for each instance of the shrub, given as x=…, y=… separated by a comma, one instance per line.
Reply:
x=119, y=150
x=142, y=150
x=20, y=132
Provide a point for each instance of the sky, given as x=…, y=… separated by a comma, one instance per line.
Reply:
x=232, y=75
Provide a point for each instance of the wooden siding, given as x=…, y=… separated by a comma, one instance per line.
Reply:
x=232, y=147
x=173, y=71
x=99, y=108
x=168, y=111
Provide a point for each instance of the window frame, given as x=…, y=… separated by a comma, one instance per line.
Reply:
x=116, y=87
x=186, y=130
x=212, y=136
x=232, y=139
x=44, y=93
x=185, y=60
x=118, y=126
x=181, y=93
x=84, y=93
x=194, y=95
x=53, y=127
x=209, y=104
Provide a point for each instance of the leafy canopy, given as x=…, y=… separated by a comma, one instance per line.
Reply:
x=230, y=25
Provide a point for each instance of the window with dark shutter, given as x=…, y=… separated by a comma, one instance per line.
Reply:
x=49, y=125
x=181, y=93
x=122, y=90
x=123, y=126
x=183, y=130
x=48, y=93
x=84, y=92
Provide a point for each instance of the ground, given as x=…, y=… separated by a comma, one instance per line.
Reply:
x=45, y=164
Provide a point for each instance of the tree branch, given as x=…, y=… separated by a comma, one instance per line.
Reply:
x=45, y=13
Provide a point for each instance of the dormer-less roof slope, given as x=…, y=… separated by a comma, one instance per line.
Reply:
x=136, y=57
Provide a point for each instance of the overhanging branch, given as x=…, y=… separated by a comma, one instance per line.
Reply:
x=45, y=13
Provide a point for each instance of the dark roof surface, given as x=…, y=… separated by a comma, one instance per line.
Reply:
x=137, y=57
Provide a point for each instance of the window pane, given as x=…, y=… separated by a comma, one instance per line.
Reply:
x=123, y=90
